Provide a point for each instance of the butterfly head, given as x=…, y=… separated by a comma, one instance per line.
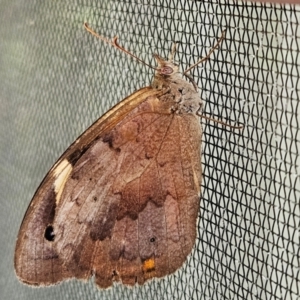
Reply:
x=165, y=67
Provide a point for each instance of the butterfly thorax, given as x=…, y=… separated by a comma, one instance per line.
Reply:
x=176, y=90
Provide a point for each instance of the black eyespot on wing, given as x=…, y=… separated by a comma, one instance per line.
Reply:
x=49, y=233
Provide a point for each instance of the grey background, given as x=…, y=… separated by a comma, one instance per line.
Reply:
x=56, y=79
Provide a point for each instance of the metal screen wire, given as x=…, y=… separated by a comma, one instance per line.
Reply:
x=56, y=79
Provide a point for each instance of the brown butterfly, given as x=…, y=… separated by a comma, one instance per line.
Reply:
x=121, y=203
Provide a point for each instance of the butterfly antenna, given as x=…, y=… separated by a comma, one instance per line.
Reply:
x=208, y=55
x=173, y=51
x=115, y=44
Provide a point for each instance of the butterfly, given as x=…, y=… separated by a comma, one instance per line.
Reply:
x=121, y=203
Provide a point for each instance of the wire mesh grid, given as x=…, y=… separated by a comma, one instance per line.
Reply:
x=56, y=80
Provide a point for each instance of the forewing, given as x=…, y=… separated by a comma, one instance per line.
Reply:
x=124, y=209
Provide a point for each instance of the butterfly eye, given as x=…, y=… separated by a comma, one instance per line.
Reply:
x=152, y=240
x=166, y=71
x=49, y=233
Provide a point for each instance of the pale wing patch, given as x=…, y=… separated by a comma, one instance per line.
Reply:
x=61, y=174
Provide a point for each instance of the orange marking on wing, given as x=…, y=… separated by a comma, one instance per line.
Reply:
x=149, y=265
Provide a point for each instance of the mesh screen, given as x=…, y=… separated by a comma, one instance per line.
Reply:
x=56, y=79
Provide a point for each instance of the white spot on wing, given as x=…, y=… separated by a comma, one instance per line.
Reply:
x=61, y=174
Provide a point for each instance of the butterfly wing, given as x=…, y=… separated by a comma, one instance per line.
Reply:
x=121, y=203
